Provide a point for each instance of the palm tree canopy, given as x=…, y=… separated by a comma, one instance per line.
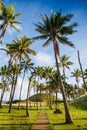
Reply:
x=56, y=27
x=26, y=65
x=65, y=61
x=76, y=73
x=8, y=17
x=21, y=48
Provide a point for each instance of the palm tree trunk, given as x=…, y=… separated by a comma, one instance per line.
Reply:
x=40, y=97
x=47, y=99
x=2, y=94
x=27, y=99
x=57, y=105
x=67, y=112
x=81, y=71
x=50, y=105
x=37, y=99
x=12, y=95
x=21, y=91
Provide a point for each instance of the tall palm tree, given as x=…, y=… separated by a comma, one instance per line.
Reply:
x=20, y=48
x=38, y=73
x=14, y=70
x=3, y=73
x=56, y=88
x=64, y=60
x=55, y=29
x=26, y=65
x=81, y=71
x=47, y=74
x=8, y=17
x=34, y=86
x=76, y=74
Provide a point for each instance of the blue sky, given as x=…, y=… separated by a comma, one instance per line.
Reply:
x=30, y=10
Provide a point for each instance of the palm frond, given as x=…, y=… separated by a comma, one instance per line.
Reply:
x=16, y=22
x=65, y=30
x=40, y=37
x=64, y=40
x=12, y=25
x=30, y=51
x=47, y=42
x=17, y=15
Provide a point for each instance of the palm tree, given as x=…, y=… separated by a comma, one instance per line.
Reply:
x=34, y=84
x=64, y=60
x=20, y=48
x=81, y=71
x=65, y=63
x=76, y=74
x=55, y=84
x=54, y=29
x=3, y=73
x=8, y=17
x=47, y=74
x=38, y=72
x=14, y=70
x=26, y=65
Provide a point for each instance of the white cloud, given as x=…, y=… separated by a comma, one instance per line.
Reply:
x=44, y=59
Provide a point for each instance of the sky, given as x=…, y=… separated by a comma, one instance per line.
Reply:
x=30, y=10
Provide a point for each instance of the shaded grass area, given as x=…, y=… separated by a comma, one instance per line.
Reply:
x=58, y=120
x=17, y=120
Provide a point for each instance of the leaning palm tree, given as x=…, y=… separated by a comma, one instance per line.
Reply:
x=55, y=29
x=7, y=17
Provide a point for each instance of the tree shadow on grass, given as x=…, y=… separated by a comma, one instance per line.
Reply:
x=82, y=118
x=16, y=126
x=64, y=123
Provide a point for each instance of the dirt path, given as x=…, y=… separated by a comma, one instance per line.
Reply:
x=42, y=122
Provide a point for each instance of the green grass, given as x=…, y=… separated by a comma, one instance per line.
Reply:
x=58, y=120
x=17, y=120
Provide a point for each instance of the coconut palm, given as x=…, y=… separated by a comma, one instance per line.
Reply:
x=83, y=78
x=20, y=48
x=25, y=65
x=7, y=17
x=76, y=74
x=14, y=70
x=28, y=92
x=56, y=88
x=3, y=73
x=38, y=72
x=47, y=74
x=55, y=29
x=34, y=86
x=64, y=60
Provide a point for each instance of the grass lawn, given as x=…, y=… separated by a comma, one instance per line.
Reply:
x=58, y=120
x=17, y=120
